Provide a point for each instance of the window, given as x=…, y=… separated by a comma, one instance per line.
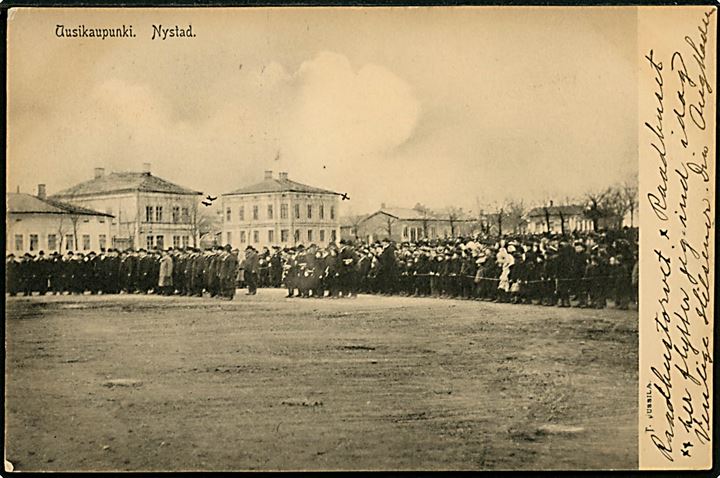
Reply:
x=284, y=235
x=176, y=241
x=333, y=235
x=185, y=215
x=309, y=207
x=270, y=211
x=321, y=212
x=297, y=211
x=102, y=241
x=297, y=235
x=158, y=214
x=186, y=241
x=160, y=242
x=19, y=242
x=69, y=242
x=33, y=242
x=309, y=235
x=322, y=235
x=148, y=213
x=229, y=238
x=283, y=211
x=176, y=214
x=242, y=237
x=228, y=214
x=256, y=236
x=332, y=212
x=271, y=235
x=256, y=213
x=405, y=232
x=241, y=214
x=149, y=242
x=52, y=242
x=101, y=219
x=86, y=242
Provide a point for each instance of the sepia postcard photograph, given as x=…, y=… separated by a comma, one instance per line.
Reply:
x=359, y=238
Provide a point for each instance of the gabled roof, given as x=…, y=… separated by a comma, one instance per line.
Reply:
x=277, y=185
x=123, y=182
x=571, y=210
x=20, y=203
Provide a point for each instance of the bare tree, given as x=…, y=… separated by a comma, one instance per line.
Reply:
x=390, y=222
x=203, y=222
x=596, y=206
x=425, y=217
x=515, y=214
x=629, y=192
x=453, y=215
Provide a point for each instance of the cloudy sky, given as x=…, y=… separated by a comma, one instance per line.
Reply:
x=454, y=106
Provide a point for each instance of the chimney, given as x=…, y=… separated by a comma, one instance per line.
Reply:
x=18, y=190
x=146, y=168
x=99, y=172
x=41, y=191
x=282, y=175
x=551, y=203
x=268, y=174
x=382, y=205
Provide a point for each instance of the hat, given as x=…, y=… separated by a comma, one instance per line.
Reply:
x=228, y=247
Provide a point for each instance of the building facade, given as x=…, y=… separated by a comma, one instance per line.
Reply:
x=405, y=225
x=280, y=212
x=556, y=218
x=148, y=211
x=36, y=223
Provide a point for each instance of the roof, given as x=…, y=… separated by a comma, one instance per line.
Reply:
x=123, y=182
x=21, y=203
x=352, y=220
x=571, y=210
x=277, y=185
x=407, y=214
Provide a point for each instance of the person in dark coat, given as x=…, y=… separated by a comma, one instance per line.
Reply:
x=228, y=273
x=12, y=272
x=250, y=268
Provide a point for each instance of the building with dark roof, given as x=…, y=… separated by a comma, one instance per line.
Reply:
x=37, y=223
x=557, y=219
x=406, y=224
x=280, y=212
x=148, y=211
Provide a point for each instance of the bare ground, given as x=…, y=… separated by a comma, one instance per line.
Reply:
x=262, y=382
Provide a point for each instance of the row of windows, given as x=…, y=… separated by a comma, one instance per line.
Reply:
x=284, y=236
x=270, y=213
x=159, y=241
x=414, y=233
x=53, y=242
x=178, y=214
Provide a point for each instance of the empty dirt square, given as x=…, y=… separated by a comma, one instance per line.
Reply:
x=134, y=382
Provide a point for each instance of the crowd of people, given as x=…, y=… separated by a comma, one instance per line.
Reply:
x=580, y=269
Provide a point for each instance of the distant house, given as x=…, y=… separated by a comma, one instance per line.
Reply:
x=404, y=224
x=36, y=223
x=280, y=212
x=557, y=219
x=148, y=211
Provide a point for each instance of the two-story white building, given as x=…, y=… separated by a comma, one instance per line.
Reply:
x=36, y=223
x=280, y=212
x=148, y=211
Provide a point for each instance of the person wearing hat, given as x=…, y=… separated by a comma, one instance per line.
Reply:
x=41, y=272
x=250, y=269
x=165, y=274
x=228, y=273
x=12, y=268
